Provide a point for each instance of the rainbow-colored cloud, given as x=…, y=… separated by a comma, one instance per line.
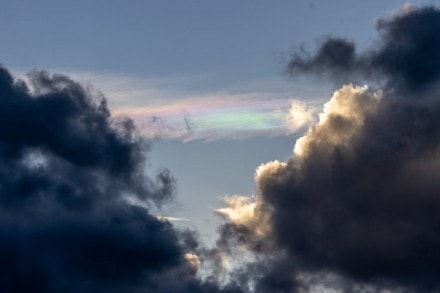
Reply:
x=220, y=117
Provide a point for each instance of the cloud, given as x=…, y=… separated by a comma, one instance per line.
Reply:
x=67, y=169
x=167, y=218
x=245, y=211
x=222, y=116
x=356, y=206
x=300, y=117
x=175, y=108
x=73, y=183
x=405, y=56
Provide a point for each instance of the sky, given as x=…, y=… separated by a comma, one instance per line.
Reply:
x=191, y=70
x=253, y=134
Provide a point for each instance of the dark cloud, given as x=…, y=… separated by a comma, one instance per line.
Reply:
x=405, y=56
x=66, y=169
x=365, y=204
x=356, y=208
x=335, y=58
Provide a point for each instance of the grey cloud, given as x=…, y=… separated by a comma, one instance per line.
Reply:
x=405, y=56
x=66, y=168
x=356, y=207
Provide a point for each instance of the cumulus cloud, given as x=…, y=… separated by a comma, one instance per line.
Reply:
x=355, y=208
x=340, y=119
x=67, y=169
x=247, y=212
x=300, y=117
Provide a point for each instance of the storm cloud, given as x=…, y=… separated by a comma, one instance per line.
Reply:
x=356, y=207
x=66, y=171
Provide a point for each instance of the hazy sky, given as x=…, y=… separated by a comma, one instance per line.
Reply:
x=205, y=81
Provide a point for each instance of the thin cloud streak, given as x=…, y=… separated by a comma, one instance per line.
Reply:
x=221, y=117
x=173, y=108
x=170, y=108
x=172, y=218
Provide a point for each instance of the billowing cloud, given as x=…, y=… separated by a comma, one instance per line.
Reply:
x=355, y=209
x=67, y=171
x=248, y=212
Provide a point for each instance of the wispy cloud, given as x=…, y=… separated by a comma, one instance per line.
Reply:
x=172, y=218
x=176, y=107
x=221, y=117
x=171, y=107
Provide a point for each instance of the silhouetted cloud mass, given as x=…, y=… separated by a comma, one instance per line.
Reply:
x=357, y=206
x=406, y=55
x=66, y=170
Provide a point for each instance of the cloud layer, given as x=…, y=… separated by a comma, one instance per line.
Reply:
x=356, y=206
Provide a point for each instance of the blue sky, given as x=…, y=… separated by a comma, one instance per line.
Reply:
x=233, y=40
x=154, y=55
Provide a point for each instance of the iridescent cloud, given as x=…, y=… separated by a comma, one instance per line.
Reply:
x=220, y=117
x=171, y=108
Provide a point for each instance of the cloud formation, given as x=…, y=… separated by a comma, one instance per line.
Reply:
x=66, y=171
x=354, y=209
x=176, y=108
x=356, y=206
x=221, y=117
x=405, y=56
